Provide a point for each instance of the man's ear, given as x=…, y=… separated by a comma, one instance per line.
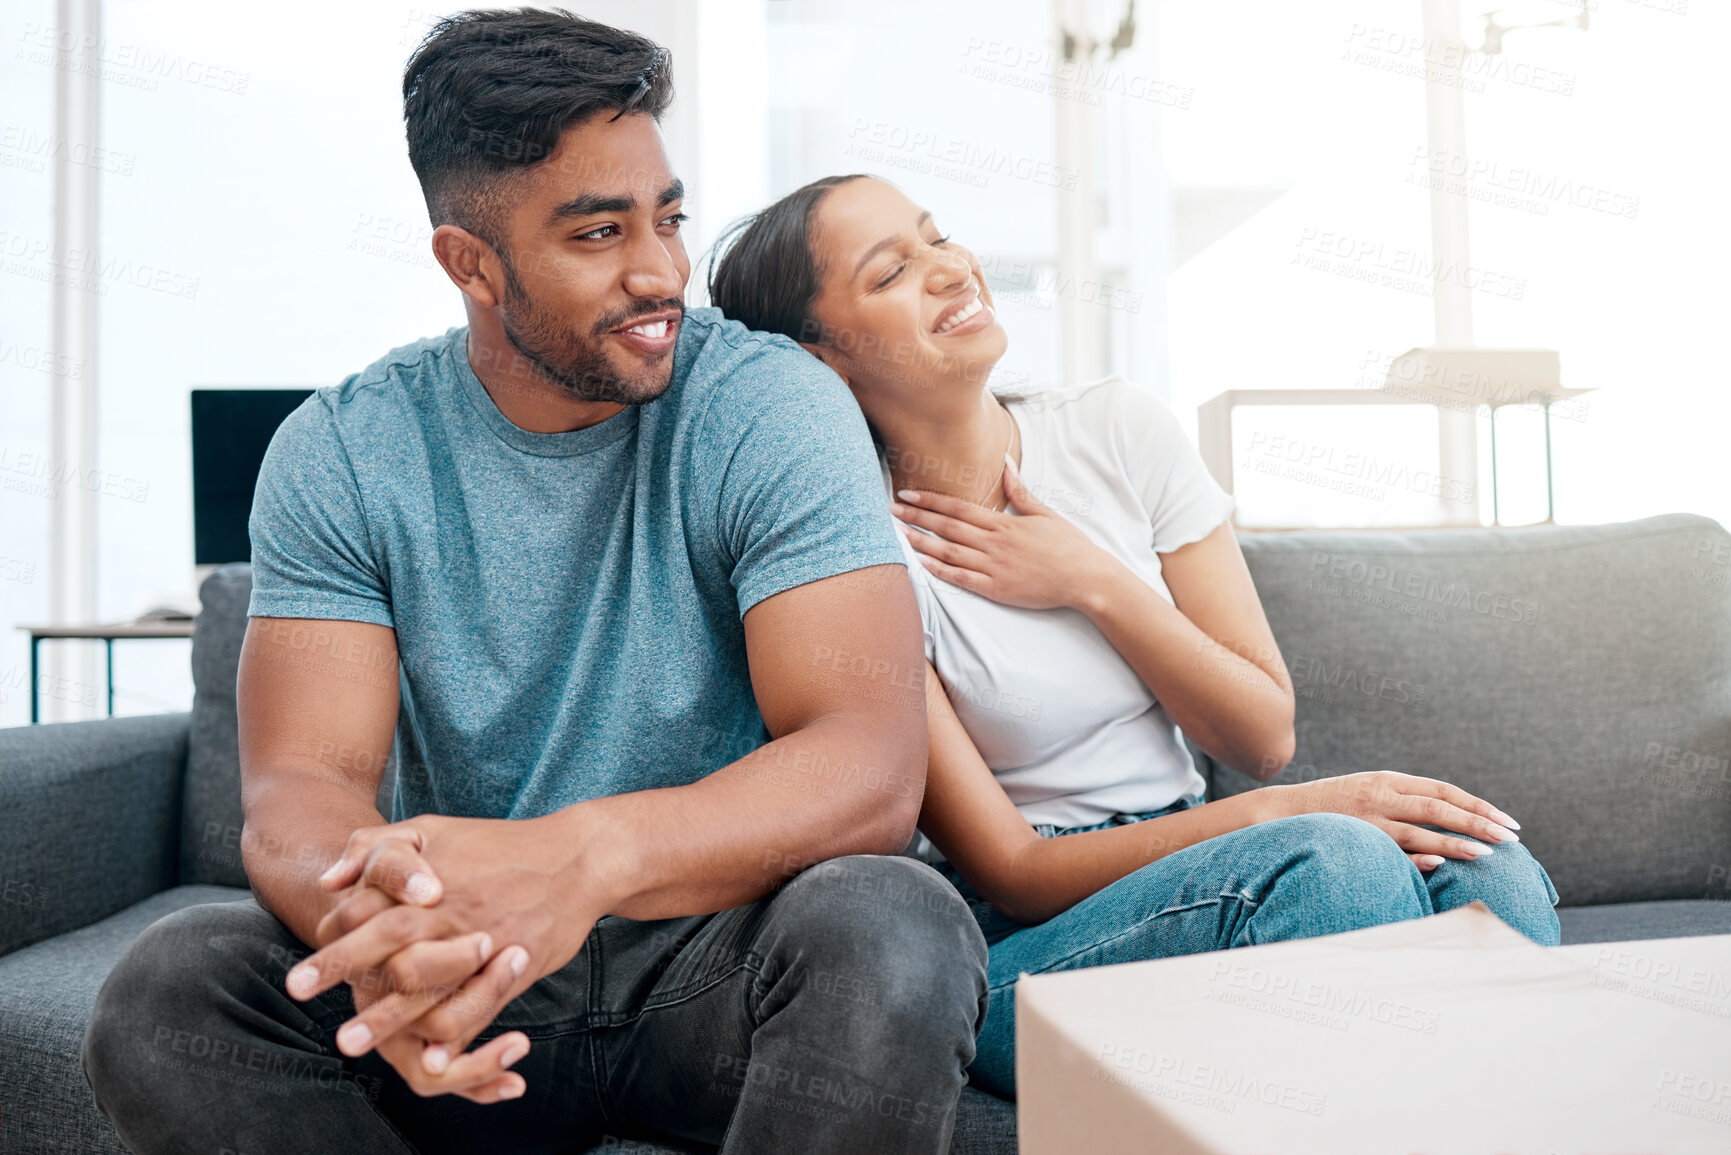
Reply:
x=471, y=264
x=829, y=356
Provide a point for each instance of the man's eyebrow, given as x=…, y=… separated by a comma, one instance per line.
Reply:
x=592, y=204
x=886, y=243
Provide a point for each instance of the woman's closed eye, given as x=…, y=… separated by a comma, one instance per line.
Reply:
x=889, y=278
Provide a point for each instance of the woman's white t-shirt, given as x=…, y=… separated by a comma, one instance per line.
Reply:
x=1069, y=729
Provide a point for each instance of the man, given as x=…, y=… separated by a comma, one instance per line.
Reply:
x=658, y=657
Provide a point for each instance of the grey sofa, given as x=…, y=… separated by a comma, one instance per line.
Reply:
x=1580, y=678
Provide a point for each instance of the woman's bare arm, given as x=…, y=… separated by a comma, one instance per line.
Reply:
x=970, y=819
x=1210, y=658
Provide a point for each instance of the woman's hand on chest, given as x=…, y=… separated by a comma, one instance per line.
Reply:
x=1037, y=561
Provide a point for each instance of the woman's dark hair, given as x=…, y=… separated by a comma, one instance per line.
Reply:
x=766, y=275
x=488, y=94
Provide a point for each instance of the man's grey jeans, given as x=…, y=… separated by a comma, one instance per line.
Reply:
x=836, y=1015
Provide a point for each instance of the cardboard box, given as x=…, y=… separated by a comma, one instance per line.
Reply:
x=1447, y=1035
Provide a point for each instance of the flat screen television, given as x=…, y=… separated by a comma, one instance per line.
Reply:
x=231, y=429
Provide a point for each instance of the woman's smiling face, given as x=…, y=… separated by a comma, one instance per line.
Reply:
x=904, y=310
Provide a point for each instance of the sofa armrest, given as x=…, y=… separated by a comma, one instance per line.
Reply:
x=91, y=821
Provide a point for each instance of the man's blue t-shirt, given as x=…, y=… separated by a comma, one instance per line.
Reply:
x=567, y=606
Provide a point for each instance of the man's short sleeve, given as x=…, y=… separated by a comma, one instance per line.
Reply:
x=799, y=494
x=311, y=552
x=1184, y=503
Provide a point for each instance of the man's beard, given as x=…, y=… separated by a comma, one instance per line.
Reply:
x=579, y=364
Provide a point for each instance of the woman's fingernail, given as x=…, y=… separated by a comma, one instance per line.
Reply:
x=1430, y=861
x=1504, y=819
x=908, y=494
x=519, y=961
x=512, y=1055
x=1503, y=834
x=436, y=1059
x=354, y=1038
x=1476, y=849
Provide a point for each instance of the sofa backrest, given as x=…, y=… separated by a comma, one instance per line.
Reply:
x=210, y=832
x=1577, y=677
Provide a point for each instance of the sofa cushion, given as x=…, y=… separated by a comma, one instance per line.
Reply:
x=985, y=1125
x=1577, y=677
x=47, y=992
x=1624, y=921
x=89, y=813
x=210, y=813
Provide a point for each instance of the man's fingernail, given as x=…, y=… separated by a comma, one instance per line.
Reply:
x=511, y=1090
x=519, y=961
x=908, y=494
x=420, y=887
x=486, y=947
x=510, y=1057
x=302, y=980
x=435, y=1059
x=354, y=1038
x=331, y=871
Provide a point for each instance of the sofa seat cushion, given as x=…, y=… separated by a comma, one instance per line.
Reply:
x=985, y=1125
x=47, y=992
x=1624, y=921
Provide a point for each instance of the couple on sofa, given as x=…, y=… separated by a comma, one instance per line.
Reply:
x=678, y=622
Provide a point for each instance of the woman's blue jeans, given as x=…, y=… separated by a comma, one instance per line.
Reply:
x=1297, y=877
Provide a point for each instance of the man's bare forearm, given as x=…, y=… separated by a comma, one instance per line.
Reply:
x=297, y=825
x=837, y=787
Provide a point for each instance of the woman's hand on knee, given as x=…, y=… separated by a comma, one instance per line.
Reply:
x=1401, y=806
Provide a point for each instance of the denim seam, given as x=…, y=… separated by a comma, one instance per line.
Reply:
x=1130, y=930
x=684, y=995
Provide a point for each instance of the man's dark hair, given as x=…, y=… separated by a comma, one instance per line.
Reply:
x=488, y=93
x=766, y=275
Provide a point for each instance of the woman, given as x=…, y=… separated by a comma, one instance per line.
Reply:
x=1084, y=601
